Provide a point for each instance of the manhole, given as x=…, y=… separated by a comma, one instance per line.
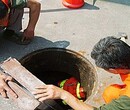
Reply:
x=52, y=65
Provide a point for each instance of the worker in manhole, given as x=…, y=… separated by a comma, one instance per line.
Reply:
x=11, y=13
x=111, y=54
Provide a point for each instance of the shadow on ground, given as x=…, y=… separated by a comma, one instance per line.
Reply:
x=10, y=49
x=86, y=6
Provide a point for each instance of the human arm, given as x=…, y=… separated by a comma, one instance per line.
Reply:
x=52, y=92
x=122, y=103
x=4, y=88
x=34, y=11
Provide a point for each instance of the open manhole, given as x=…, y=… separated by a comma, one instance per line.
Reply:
x=52, y=65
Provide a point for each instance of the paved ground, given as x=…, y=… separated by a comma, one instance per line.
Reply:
x=76, y=29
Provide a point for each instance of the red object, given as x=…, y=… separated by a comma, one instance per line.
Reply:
x=6, y=2
x=70, y=85
x=5, y=22
x=73, y=3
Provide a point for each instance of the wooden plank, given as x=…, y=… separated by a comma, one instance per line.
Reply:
x=12, y=67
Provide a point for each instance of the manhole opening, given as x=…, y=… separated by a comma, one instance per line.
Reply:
x=52, y=65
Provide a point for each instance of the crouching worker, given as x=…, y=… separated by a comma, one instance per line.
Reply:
x=111, y=54
x=11, y=13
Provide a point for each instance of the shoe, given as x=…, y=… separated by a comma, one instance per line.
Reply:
x=14, y=37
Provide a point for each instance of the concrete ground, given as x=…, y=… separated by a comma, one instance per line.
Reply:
x=75, y=29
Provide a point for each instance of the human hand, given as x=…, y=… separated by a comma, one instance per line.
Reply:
x=53, y=92
x=28, y=34
x=48, y=92
x=4, y=88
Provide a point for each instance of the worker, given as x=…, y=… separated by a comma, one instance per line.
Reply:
x=73, y=86
x=11, y=13
x=112, y=55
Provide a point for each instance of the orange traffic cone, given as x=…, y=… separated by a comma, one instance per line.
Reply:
x=73, y=3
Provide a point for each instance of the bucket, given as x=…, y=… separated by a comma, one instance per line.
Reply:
x=52, y=65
